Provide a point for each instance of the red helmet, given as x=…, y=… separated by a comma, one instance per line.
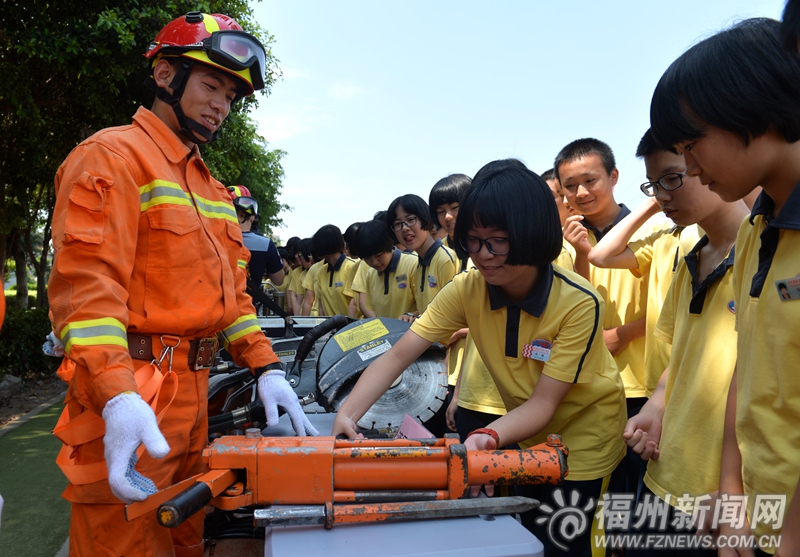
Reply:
x=215, y=40
x=243, y=200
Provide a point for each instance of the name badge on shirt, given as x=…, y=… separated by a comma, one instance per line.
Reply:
x=402, y=285
x=538, y=349
x=432, y=281
x=401, y=278
x=732, y=306
x=338, y=284
x=788, y=289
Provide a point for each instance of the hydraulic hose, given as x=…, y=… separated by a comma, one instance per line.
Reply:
x=312, y=336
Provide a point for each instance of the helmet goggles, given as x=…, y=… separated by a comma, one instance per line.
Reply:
x=247, y=205
x=237, y=50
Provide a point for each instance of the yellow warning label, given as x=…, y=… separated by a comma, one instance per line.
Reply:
x=362, y=334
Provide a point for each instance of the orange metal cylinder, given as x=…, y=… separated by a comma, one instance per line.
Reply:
x=389, y=473
x=542, y=464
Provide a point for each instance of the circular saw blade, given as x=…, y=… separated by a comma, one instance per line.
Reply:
x=420, y=392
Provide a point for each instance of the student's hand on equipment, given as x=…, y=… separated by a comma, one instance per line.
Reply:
x=577, y=235
x=642, y=433
x=407, y=317
x=480, y=442
x=343, y=425
x=274, y=390
x=450, y=414
x=130, y=422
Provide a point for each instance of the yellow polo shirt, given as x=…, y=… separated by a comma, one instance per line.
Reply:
x=478, y=391
x=359, y=283
x=461, y=264
x=658, y=255
x=298, y=276
x=332, y=282
x=626, y=301
x=435, y=268
x=698, y=322
x=566, y=259
x=768, y=380
x=310, y=283
x=389, y=294
x=564, y=311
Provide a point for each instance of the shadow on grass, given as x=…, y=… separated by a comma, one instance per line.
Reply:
x=35, y=519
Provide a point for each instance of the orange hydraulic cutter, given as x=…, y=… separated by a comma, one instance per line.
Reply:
x=355, y=480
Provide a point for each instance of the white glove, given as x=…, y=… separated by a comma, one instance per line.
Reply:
x=130, y=422
x=274, y=390
x=53, y=346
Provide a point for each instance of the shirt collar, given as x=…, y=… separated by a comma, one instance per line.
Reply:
x=598, y=234
x=426, y=259
x=392, y=266
x=536, y=300
x=169, y=143
x=789, y=216
x=338, y=264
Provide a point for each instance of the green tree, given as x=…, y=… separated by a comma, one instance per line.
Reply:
x=73, y=67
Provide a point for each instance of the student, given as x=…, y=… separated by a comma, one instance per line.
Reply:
x=730, y=105
x=513, y=297
x=296, y=288
x=587, y=171
x=564, y=209
x=655, y=255
x=357, y=304
x=472, y=398
x=408, y=219
x=443, y=203
x=334, y=275
x=287, y=270
x=387, y=281
x=697, y=320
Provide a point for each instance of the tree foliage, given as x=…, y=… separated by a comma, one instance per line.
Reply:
x=72, y=67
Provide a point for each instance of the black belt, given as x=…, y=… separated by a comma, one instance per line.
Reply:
x=200, y=356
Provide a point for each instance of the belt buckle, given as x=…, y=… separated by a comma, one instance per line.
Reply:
x=206, y=348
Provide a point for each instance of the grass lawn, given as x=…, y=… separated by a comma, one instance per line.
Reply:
x=35, y=519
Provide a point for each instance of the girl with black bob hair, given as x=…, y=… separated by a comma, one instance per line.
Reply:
x=507, y=195
x=739, y=80
x=538, y=329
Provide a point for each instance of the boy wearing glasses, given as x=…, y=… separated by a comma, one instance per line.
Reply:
x=657, y=254
x=698, y=312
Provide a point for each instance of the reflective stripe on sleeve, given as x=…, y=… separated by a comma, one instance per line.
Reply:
x=242, y=263
x=245, y=325
x=94, y=332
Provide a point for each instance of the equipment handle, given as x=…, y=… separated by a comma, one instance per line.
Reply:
x=173, y=512
x=332, y=324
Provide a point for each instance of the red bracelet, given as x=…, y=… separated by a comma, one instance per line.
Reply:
x=486, y=431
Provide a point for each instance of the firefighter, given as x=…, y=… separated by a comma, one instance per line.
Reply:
x=145, y=280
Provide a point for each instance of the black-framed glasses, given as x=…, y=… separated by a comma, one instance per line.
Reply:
x=496, y=246
x=409, y=222
x=668, y=182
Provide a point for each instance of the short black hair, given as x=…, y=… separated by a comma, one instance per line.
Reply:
x=585, y=147
x=285, y=254
x=739, y=80
x=350, y=234
x=447, y=190
x=413, y=205
x=549, y=174
x=291, y=244
x=507, y=195
x=648, y=145
x=783, y=285
x=373, y=238
x=790, y=27
x=327, y=240
x=304, y=248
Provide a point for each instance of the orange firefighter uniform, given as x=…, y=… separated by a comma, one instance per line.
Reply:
x=146, y=243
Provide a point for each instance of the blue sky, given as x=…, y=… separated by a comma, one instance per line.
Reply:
x=382, y=98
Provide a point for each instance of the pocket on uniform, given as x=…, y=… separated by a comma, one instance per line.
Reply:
x=86, y=218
